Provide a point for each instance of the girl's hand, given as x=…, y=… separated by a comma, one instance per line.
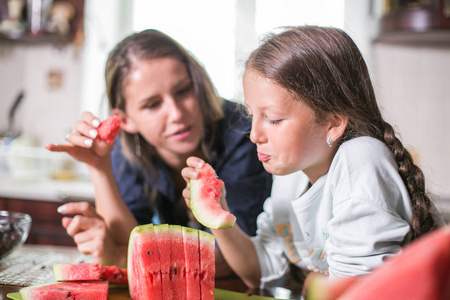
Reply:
x=83, y=145
x=194, y=164
x=91, y=235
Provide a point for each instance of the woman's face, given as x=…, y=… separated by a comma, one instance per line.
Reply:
x=287, y=136
x=161, y=106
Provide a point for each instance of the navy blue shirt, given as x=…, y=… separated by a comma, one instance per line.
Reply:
x=234, y=160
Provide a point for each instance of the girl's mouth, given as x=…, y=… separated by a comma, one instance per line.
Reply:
x=263, y=157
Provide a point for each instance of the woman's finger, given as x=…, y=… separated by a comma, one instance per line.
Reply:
x=83, y=208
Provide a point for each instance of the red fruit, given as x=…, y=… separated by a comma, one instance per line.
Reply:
x=109, y=129
x=420, y=272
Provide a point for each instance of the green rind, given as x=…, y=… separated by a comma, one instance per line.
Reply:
x=57, y=272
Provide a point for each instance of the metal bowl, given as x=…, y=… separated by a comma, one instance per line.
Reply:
x=14, y=230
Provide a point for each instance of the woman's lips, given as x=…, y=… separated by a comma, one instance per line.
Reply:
x=263, y=157
x=182, y=134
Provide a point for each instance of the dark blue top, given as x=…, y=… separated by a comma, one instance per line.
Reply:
x=235, y=161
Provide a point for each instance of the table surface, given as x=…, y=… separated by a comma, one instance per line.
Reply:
x=32, y=264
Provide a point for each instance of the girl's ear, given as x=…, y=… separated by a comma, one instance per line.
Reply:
x=337, y=126
x=127, y=123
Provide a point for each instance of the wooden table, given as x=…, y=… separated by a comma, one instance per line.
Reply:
x=32, y=264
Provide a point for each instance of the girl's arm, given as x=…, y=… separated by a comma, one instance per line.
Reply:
x=235, y=245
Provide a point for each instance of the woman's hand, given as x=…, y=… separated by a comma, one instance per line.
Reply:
x=83, y=145
x=90, y=233
x=192, y=172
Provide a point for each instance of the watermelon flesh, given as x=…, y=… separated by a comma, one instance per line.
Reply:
x=109, y=129
x=207, y=266
x=205, y=200
x=97, y=290
x=185, y=267
x=90, y=272
x=420, y=272
x=144, y=265
x=192, y=262
x=77, y=272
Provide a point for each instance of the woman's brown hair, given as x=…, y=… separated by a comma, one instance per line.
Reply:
x=322, y=67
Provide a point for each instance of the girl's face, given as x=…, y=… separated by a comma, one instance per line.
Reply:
x=161, y=106
x=287, y=136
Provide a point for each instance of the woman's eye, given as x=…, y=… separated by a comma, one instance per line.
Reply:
x=151, y=105
x=184, y=90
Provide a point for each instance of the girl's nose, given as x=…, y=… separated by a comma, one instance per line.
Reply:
x=256, y=134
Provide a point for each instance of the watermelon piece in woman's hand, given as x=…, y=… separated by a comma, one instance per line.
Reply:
x=109, y=129
x=205, y=200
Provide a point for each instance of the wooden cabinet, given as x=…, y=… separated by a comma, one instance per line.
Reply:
x=46, y=228
x=415, y=21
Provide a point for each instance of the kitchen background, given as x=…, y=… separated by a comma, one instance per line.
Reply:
x=61, y=73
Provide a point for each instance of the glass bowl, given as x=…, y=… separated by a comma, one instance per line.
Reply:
x=14, y=230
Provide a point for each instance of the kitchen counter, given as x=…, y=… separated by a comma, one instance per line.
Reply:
x=47, y=190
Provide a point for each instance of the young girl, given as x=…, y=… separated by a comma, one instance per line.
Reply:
x=169, y=110
x=347, y=194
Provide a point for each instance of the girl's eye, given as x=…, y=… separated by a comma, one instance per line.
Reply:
x=273, y=122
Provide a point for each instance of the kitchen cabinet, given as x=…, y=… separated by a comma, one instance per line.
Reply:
x=42, y=21
x=415, y=21
x=46, y=228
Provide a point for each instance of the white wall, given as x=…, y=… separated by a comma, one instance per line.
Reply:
x=411, y=83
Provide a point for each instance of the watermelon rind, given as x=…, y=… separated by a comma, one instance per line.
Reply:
x=208, y=212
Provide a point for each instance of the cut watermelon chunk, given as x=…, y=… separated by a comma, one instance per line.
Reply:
x=144, y=265
x=207, y=266
x=205, y=200
x=185, y=266
x=77, y=272
x=97, y=290
x=192, y=262
x=109, y=129
x=114, y=275
x=90, y=272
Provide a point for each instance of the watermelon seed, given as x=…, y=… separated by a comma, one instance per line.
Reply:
x=68, y=295
x=149, y=252
x=175, y=271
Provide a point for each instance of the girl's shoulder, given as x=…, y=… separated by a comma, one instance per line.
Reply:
x=365, y=149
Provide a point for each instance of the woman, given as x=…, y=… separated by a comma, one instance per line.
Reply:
x=169, y=111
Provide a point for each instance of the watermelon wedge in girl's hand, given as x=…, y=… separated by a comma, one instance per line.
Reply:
x=205, y=200
x=109, y=129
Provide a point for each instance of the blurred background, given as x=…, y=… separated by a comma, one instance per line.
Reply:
x=53, y=52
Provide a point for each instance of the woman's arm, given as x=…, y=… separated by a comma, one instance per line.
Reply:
x=85, y=147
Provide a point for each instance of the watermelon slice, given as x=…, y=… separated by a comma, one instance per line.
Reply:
x=205, y=200
x=420, y=272
x=144, y=265
x=97, y=290
x=90, y=271
x=185, y=266
x=207, y=266
x=192, y=262
x=77, y=272
x=109, y=129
